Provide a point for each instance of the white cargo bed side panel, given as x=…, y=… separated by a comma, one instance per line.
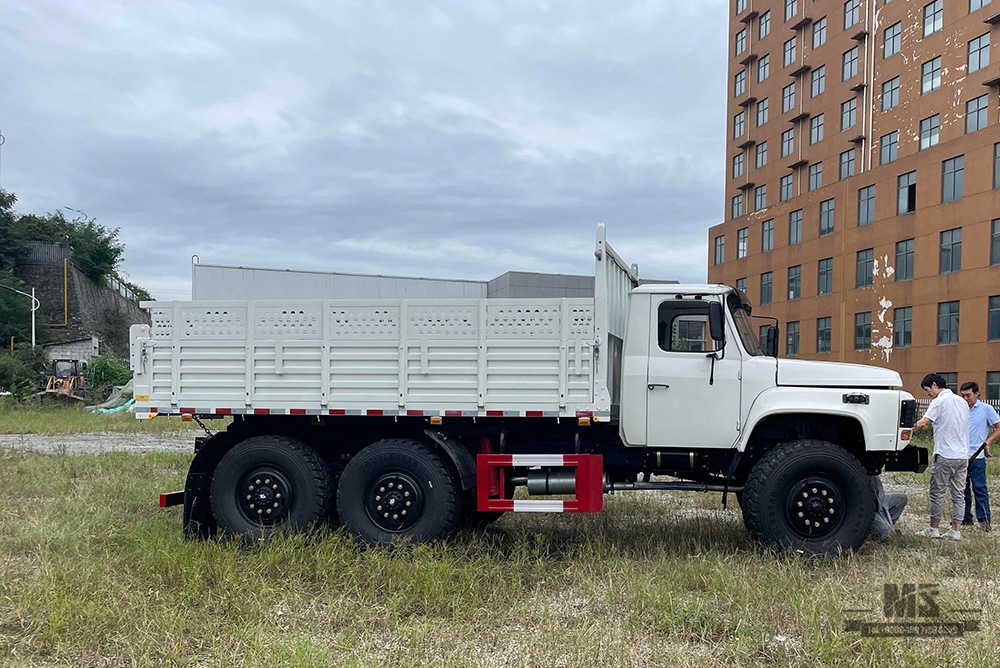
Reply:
x=363, y=348
x=442, y=354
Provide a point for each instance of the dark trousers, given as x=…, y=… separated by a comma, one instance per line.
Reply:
x=976, y=484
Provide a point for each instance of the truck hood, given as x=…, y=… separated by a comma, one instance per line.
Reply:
x=804, y=373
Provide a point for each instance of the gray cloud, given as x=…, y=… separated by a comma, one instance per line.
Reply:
x=451, y=139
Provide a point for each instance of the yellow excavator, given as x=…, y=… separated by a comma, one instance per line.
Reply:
x=66, y=380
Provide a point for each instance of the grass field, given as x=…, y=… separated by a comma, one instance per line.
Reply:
x=53, y=419
x=94, y=574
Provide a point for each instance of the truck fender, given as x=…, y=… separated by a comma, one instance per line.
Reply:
x=459, y=456
x=807, y=401
x=199, y=520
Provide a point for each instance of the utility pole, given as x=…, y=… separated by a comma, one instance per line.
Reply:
x=35, y=304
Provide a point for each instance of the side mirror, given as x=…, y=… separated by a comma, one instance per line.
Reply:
x=770, y=342
x=716, y=322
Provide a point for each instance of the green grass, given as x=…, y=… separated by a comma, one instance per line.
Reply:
x=46, y=418
x=94, y=574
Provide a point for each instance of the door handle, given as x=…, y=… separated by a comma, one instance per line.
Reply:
x=653, y=386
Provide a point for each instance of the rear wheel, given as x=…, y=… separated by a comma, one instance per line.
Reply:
x=398, y=490
x=270, y=483
x=811, y=496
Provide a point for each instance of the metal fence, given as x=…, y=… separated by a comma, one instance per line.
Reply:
x=116, y=284
x=43, y=253
x=922, y=405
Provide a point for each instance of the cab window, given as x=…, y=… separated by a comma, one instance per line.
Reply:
x=682, y=326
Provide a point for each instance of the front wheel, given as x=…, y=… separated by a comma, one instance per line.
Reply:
x=398, y=490
x=811, y=496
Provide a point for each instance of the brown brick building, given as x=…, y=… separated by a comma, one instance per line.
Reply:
x=863, y=181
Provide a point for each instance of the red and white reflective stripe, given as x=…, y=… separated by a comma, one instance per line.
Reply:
x=371, y=412
x=539, y=506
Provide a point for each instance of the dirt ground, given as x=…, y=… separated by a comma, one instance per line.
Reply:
x=96, y=443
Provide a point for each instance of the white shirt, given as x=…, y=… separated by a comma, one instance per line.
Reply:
x=950, y=415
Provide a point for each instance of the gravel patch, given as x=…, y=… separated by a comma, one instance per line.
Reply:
x=76, y=444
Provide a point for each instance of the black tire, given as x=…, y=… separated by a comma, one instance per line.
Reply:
x=398, y=490
x=279, y=474
x=823, y=482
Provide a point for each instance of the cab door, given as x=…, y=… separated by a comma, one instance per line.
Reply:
x=688, y=404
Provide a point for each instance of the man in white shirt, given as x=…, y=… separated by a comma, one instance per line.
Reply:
x=982, y=419
x=949, y=414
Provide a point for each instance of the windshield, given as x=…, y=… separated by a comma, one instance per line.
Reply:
x=745, y=329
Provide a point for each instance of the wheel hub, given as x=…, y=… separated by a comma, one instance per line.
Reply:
x=265, y=496
x=815, y=507
x=395, y=502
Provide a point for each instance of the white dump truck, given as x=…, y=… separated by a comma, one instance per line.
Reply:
x=407, y=419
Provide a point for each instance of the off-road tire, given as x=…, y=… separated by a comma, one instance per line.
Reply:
x=398, y=490
x=813, y=478
x=278, y=473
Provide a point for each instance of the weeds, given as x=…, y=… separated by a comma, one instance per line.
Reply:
x=94, y=574
x=44, y=418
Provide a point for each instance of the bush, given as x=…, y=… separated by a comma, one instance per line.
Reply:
x=21, y=371
x=104, y=373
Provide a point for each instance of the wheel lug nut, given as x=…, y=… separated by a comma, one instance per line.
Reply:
x=406, y=493
x=814, y=490
x=275, y=505
x=378, y=497
x=250, y=488
x=799, y=503
x=831, y=511
x=395, y=517
x=409, y=503
x=252, y=506
x=826, y=519
x=378, y=507
x=278, y=495
x=386, y=515
x=830, y=499
x=274, y=487
x=800, y=514
x=268, y=511
x=267, y=481
x=249, y=496
x=824, y=492
x=403, y=513
x=805, y=495
x=381, y=489
x=257, y=481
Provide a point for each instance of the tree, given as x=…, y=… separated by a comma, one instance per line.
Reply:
x=12, y=246
x=15, y=311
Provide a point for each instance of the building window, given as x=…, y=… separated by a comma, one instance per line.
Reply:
x=890, y=94
x=741, y=284
x=816, y=124
x=765, y=288
x=952, y=179
x=993, y=380
x=947, y=323
x=787, y=142
x=826, y=211
x=818, y=80
x=902, y=327
x=849, y=113
x=789, y=50
x=951, y=251
x=889, y=145
x=737, y=206
x=815, y=176
x=950, y=380
x=979, y=53
x=760, y=198
x=819, y=33
x=740, y=83
x=742, y=237
x=795, y=227
x=995, y=243
x=763, y=67
x=863, y=330
x=767, y=236
x=907, y=187
x=792, y=341
x=762, y=108
x=764, y=28
x=996, y=165
x=977, y=113
x=823, y=335
x=795, y=282
x=761, y=152
x=930, y=76
x=824, y=285
x=737, y=166
x=852, y=13
x=866, y=206
x=788, y=98
x=977, y=4
x=933, y=17
x=739, y=122
x=930, y=131
x=786, y=188
x=720, y=250
x=865, y=265
x=846, y=164
x=791, y=8
x=904, y=260
x=994, y=319
x=741, y=41
x=850, y=64
x=741, y=6
x=890, y=39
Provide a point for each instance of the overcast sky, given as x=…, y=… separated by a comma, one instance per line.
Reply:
x=448, y=139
